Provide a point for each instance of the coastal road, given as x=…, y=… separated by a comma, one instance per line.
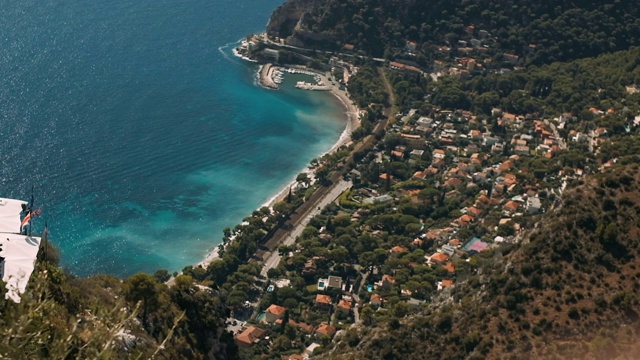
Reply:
x=265, y=38
x=273, y=259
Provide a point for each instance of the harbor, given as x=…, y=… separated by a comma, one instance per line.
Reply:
x=271, y=76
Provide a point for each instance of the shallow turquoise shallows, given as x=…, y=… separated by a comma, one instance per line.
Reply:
x=141, y=133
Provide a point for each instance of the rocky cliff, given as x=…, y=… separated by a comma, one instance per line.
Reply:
x=293, y=22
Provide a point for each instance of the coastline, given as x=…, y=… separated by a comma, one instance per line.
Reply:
x=352, y=122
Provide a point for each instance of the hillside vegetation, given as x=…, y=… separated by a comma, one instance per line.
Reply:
x=569, y=292
x=559, y=87
x=62, y=317
x=560, y=31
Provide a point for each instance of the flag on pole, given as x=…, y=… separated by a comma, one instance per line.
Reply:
x=25, y=221
x=28, y=218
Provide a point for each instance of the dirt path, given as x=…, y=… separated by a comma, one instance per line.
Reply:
x=391, y=110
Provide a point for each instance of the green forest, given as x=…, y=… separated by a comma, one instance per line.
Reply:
x=560, y=31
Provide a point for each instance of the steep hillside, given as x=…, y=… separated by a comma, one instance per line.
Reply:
x=559, y=31
x=62, y=317
x=285, y=18
x=570, y=290
x=552, y=89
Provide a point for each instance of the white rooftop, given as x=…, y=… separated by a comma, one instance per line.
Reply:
x=310, y=348
x=10, y=215
x=19, y=251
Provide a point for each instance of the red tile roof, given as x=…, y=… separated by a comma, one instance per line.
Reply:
x=474, y=211
x=276, y=310
x=250, y=335
x=345, y=304
x=376, y=299
x=303, y=326
x=450, y=267
x=511, y=205
x=388, y=279
x=439, y=257
x=326, y=329
x=323, y=299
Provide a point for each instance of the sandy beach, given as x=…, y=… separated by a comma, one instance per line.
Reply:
x=353, y=121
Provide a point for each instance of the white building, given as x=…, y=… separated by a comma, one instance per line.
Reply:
x=18, y=252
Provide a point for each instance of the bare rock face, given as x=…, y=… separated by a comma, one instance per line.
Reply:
x=291, y=21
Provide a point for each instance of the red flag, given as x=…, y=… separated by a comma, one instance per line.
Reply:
x=25, y=221
x=27, y=218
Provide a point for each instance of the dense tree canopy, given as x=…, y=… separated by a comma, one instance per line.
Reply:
x=560, y=31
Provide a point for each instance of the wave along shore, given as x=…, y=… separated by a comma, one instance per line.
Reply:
x=352, y=123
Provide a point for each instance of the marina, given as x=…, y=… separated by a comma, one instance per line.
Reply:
x=271, y=76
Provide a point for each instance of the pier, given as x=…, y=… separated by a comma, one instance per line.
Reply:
x=266, y=76
x=308, y=86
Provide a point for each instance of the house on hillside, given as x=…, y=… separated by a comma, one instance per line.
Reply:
x=448, y=249
x=462, y=221
x=398, y=250
x=511, y=207
x=394, y=65
x=273, y=313
x=250, y=336
x=438, y=154
x=348, y=47
x=450, y=267
x=388, y=280
x=309, y=350
x=376, y=301
x=533, y=205
x=325, y=330
x=323, y=301
x=344, y=306
x=438, y=258
x=446, y=283
x=330, y=282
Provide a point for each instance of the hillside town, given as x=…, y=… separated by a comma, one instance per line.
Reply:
x=440, y=193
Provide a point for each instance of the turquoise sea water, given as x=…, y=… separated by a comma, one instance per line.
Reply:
x=142, y=135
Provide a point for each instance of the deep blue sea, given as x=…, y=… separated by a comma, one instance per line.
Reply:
x=140, y=132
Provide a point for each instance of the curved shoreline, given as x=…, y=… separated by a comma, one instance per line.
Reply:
x=352, y=122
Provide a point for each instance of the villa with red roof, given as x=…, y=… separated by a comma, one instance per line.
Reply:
x=325, y=330
x=438, y=258
x=274, y=312
x=250, y=336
